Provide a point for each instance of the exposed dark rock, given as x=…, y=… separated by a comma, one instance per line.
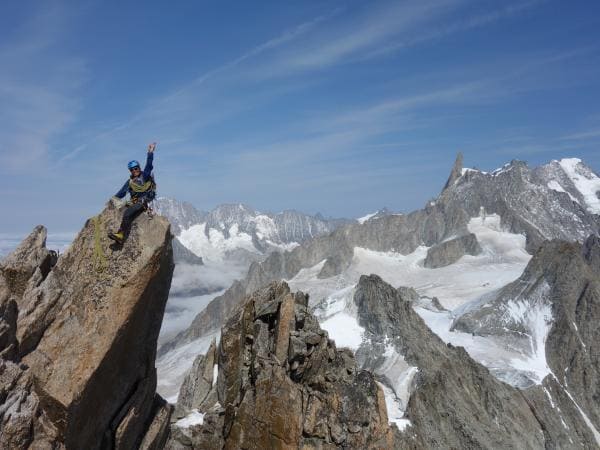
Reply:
x=334, y=265
x=8, y=328
x=448, y=252
x=181, y=215
x=450, y=389
x=456, y=172
x=564, y=280
x=158, y=430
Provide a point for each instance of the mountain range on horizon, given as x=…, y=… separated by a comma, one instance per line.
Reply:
x=467, y=249
x=238, y=232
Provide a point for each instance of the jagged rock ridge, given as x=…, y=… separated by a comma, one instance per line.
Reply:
x=281, y=383
x=449, y=388
x=552, y=311
x=78, y=339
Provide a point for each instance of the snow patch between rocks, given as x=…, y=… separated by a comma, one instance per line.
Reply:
x=555, y=186
x=398, y=374
x=215, y=374
x=363, y=219
x=394, y=409
x=344, y=329
x=537, y=318
x=193, y=418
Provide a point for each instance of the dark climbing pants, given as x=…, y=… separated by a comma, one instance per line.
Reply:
x=130, y=214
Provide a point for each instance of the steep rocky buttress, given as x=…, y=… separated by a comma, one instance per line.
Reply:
x=451, y=401
x=78, y=339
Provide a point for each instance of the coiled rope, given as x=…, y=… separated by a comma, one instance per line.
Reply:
x=99, y=259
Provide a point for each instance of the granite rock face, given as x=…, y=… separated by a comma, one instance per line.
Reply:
x=29, y=258
x=198, y=384
x=448, y=252
x=282, y=383
x=83, y=335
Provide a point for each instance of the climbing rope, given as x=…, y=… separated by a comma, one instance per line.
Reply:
x=99, y=259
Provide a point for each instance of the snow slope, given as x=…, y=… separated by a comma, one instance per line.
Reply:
x=172, y=367
x=456, y=286
x=363, y=219
x=586, y=182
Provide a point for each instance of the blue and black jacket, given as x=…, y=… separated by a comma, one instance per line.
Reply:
x=140, y=181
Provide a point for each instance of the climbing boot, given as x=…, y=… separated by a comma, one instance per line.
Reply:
x=118, y=237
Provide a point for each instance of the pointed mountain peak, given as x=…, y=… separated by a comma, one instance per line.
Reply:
x=456, y=171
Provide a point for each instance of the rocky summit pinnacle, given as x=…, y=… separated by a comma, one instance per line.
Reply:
x=456, y=172
x=276, y=381
x=78, y=339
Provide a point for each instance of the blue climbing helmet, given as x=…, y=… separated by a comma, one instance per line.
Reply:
x=132, y=164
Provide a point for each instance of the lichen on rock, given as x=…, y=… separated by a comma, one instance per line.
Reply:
x=82, y=336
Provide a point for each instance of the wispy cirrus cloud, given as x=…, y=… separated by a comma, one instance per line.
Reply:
x=384, y=29
x=246, y=82
x=593, y=133
x=38, y=88
x=352, y=39
x=167, y=113
x=459, y=26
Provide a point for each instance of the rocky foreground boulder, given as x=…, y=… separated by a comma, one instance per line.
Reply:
x=78, y=339
x=276, y=381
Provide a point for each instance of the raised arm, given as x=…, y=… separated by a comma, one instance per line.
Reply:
x=149, y=158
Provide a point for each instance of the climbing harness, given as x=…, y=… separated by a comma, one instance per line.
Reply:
x=145, y=203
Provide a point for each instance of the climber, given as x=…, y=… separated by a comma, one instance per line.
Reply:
x=141, y=188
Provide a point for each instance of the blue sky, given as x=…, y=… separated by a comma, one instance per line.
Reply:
x=330, y=106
